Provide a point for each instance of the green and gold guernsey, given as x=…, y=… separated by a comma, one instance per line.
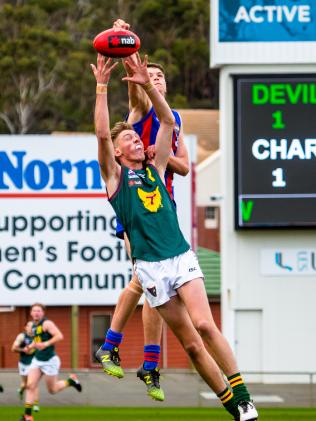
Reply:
x=41, y=336
x=148, y=215
x=26, y=358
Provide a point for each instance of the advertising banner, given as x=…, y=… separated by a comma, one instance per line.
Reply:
x=57, y=229
x=288, y=262
x=263, y=31
x=267, y=21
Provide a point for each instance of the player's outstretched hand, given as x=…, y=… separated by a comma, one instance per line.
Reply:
x=120, y=24
x=136, y=69
x=102, y=71
x=150, y=152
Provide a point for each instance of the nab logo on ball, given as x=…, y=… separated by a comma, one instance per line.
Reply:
x=120, y=41
x=116, y=43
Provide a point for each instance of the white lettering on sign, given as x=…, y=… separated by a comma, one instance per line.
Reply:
x=270, y=13
x=284, y=149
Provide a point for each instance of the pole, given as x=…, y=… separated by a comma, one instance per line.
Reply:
x=74, y=336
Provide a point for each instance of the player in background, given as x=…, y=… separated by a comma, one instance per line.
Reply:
x=20, y=345
x=45, y=361
x=145, y=122
x=1, y=388
x=168, y=271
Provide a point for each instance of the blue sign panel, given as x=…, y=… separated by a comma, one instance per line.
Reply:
x=267, y=20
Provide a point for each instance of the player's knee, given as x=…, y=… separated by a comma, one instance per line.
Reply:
x=193, y=348
x=203, y=327
x=51, y=389
x=31, y=386
x=206, y=329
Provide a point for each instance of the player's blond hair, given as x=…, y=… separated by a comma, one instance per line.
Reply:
x=118, y=128
x=157, y=65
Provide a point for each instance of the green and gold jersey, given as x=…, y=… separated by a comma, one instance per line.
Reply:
x=41, y=336
x=26, y=358
x=148, y=215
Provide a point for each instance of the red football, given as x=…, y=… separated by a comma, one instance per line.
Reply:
x=119, y=43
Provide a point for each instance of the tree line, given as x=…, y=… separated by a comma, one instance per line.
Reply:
x=46, y=49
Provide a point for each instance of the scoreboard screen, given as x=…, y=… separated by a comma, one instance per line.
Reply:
x=275, y=150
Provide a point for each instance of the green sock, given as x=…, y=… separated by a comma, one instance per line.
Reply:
x=70, y=381
x=239, y=388
x=28, y=408
x=227, y=399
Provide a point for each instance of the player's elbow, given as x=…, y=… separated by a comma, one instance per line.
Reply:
x=168, y=120
x=184, y=170
x=103, y=135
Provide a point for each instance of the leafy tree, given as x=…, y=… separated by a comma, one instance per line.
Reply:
x=46, y=49
x=32, y=49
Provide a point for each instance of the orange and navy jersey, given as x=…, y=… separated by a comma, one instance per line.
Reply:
x=147, y=129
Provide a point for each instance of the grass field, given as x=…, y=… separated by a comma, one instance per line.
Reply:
x=152, y=414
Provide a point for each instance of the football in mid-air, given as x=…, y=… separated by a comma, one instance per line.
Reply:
x=116, y=43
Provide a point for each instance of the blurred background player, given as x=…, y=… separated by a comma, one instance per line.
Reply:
x=144, y=120
x=45, y=361
x=20, y=345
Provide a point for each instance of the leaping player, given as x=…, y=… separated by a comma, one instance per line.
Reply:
x=168, y=271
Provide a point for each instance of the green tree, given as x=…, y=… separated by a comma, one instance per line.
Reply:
x=32, y=50
x=46, y=49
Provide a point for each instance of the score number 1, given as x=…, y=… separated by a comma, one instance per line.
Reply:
x=278, y=173
x=278, y=122
x=279, y=181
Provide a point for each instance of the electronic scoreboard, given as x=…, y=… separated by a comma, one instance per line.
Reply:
x=275, y=150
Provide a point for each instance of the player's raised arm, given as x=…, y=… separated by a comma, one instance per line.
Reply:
x=110, y=169
x=138, y=102
x=164, y=137
x=179, y=163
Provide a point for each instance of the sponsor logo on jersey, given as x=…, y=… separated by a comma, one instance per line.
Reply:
x=131, y=176
x=132, y=183
x=152, y=201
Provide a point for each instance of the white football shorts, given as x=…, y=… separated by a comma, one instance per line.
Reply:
x=50, y=367
x=160, y=280
x=24, y=369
